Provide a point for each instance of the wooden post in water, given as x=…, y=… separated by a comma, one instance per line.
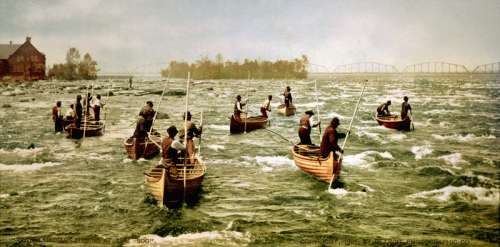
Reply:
x=348, y=132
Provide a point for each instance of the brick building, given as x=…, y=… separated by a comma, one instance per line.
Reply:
x=21, y=61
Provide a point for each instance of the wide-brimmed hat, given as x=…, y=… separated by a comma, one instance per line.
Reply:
x=309, y=112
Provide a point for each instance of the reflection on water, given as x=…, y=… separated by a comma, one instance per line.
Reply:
x=438, y=182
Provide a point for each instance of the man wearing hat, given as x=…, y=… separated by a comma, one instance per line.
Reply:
x=288, y=96
x=305, y=127
x=330, y=139
x=238, y=108
x=171, y=147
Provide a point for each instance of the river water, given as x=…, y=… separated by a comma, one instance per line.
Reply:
x=437, y=184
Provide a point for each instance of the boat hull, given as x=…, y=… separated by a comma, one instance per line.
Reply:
x=394, y=122
x=253, y=123
x=308, y=159
x=139, y=149
x=287, y=111
x=90, y=129
x=166, y=183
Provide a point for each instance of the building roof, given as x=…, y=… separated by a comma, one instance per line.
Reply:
x=7, y=49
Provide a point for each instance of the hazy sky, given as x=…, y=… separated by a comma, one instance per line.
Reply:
x=128, y=35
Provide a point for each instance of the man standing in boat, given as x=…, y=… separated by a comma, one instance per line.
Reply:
x=383, y=109
x=97, y=105
x=329, y=141
x=306, y=124
x=79, y=111
x=57, y=117
x=238, y=106
x=266, y=106
x=192, y=132
x=140, y=132
x=148, y=114
x=70, y=115
x=288, y=96
x=405, y=107
x=171, y=147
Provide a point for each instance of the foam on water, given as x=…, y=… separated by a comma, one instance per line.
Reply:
x=216, y=147
x=421, y=151
x=270, y=160
x=462, y=138
x=21, y=152
x=218, y=127
x=222, y=238
x=343, y=192
x=453, y=159
x=27, y=167
x=440, y=111
x=477, y=195
x=365, y=158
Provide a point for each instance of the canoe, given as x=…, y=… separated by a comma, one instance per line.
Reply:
x=253, y=123
x=394, y=122
x=287, y=111
x=308, y=158
x=173, y=184
x=91, y=128
x=139, y=149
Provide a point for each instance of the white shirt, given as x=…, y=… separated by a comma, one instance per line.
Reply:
x=97, y=101
x=70, y=113
x=238, y=106
x=177, y=145
x=267, y=104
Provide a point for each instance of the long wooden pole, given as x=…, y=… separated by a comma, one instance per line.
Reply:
x=106, y=108
x=185, y=134
x=86, y=111
x=348, y=132
x=317, y=109
x=246, y=105
x=154, y=118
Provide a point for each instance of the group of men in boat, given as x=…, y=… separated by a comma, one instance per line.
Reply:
x=264, y=108
x=171, y=148
x=75, y=112
x=383, y=109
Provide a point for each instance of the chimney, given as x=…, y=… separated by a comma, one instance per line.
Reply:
x=28, y=39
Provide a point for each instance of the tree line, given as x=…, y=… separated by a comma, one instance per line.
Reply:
x=75, y=68
x=205, y=68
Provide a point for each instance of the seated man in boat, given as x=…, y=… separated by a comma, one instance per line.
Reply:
x=266, y=106
x=330, y=139
x=306, y=124
x=79, y=111
x=97, y=105
x=238, y=108
x=192, y=132
x=70, y=115
x=288, y=96
x=383, y=109
x=405, y=107
x=171, y=147
x=57, y=117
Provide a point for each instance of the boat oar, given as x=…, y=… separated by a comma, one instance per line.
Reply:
x=412, y=120
x=348, y=132
x=199, y=141
x=106, y=109
x=287, y=140
x=317, y=109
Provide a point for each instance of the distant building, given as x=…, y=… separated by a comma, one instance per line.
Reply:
x=21, y=61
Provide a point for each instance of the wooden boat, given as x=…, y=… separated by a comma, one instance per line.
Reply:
x=172, y=184
x=394, y=122
x=308, y=158
x=252, y=123
x=287, y=111
x=144, y=148
x=91, y=128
